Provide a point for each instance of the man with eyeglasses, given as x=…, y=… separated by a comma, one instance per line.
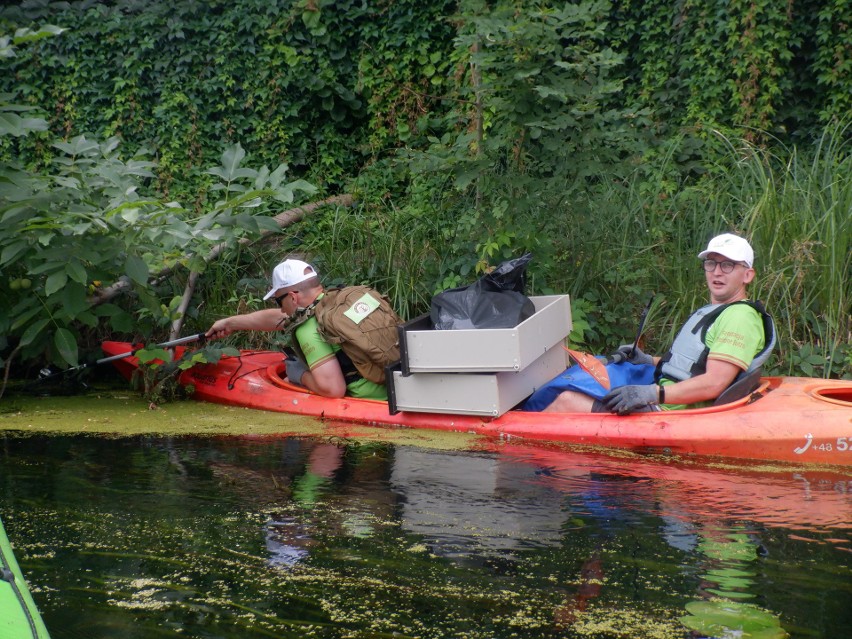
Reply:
x=720, y=342
x=295, y=290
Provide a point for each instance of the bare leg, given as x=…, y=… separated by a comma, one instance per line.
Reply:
x=570, y=402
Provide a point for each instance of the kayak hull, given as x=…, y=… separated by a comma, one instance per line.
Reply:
x=19, y=617
x=791, y=419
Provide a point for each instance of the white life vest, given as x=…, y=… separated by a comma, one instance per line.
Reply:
x=688, y=354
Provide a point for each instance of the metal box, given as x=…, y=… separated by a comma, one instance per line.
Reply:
x=486, y=350
x=486, y=394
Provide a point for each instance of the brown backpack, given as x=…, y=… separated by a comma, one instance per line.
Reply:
x=364, y=324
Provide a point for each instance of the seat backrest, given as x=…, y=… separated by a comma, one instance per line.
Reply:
x=741, y=387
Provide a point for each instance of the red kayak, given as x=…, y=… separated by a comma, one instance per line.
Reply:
x=790, y=419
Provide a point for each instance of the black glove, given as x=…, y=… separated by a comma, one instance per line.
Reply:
x=626, y=399
x=295, y=370
x=627, y=353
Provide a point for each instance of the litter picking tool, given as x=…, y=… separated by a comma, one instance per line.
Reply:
x=641, y=324
x=46, y=373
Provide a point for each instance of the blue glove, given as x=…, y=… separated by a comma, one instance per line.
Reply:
x=626, y=399
x=626, y=353
x=295, y=370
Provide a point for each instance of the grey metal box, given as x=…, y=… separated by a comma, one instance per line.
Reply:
x=486, y=394
x=487, y=350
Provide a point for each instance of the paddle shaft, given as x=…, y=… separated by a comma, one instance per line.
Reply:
x=641, y=325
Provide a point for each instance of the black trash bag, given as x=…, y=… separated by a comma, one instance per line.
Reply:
x=495, y=300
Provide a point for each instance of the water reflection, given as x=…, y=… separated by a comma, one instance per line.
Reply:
x=728, y=581
x=286, y=537
x=474, y=506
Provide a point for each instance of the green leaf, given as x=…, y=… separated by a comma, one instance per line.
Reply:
x=12, y=251
x=232, y=157
x=22, y=315
x=197, y=358
x=74, y=301
x=76, y=271
x=136, y=269
x=122, y=322
x=15, y=125
x=77, y=146
x=33, y=330
x=278, y=175
x=148, y=355
x=66, y=345
x=55, y=282
x=262, y=178
x=25, y=35
x=230, y=170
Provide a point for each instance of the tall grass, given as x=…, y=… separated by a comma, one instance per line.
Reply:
x=394, y=250
x=798, y=209
x=794, y=205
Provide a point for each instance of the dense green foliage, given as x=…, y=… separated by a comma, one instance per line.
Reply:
x=611, y=139
x=290, y=81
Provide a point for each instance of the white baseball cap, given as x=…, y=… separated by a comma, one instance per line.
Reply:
x=731, y=246
x=289, y=273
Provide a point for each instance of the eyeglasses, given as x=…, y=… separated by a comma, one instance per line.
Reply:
x=726, y=265
x=280, y=298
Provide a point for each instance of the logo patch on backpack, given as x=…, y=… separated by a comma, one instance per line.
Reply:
x=362, y=308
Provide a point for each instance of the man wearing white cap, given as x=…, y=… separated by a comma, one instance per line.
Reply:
x=718, y=342
x=296, y=287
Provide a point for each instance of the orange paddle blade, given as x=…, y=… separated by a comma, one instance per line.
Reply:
x=592, y=365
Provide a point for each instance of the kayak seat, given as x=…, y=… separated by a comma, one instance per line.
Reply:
x=741, y=387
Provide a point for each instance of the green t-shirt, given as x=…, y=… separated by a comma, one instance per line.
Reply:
x=317, y=351
x=736, y=337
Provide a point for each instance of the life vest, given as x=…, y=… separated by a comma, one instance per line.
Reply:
x=688, y=354
x=362, y=322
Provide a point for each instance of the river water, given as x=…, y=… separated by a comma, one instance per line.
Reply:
x=242, y=537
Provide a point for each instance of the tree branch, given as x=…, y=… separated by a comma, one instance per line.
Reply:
x=283, y=219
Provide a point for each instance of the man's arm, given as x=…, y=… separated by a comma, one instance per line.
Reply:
x=326, y=379
x=705, y=387
x=267, y=319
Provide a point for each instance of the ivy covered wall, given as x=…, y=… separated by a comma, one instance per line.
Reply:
x=779, y=66
x=317, y=84
x=329, y=85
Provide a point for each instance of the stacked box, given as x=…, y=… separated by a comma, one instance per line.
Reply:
x=479, y=371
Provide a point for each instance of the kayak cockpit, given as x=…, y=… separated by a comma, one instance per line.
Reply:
x=833, y=394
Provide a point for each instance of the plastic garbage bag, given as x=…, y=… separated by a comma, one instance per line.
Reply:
x=496, y=300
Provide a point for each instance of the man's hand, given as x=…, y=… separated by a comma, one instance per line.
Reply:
x=295, y=370
x=221, y=328
x=626, y=399
x=629, y=353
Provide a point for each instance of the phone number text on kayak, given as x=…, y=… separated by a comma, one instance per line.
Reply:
x=842, y=444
